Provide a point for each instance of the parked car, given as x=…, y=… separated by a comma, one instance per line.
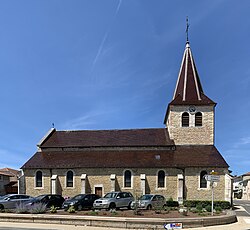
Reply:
x=47, y=199
x=12, y=200
x=113, y=200
x=81, y=201
x=149, y=201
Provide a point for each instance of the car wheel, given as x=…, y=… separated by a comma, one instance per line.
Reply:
x=112, y=206
x=129, y=206
x=1, y=207
x=165, y=207
x=79, y=207
x=149, y=207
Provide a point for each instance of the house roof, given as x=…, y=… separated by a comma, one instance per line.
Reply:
x=107, y=138
x=182, y=156
x=188, y=90
x=5, y=174
x=9, y=171
x=246, y=174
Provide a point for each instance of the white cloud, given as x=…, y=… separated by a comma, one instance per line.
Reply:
x=89, y=120
x=79, y=122
x=242, y=141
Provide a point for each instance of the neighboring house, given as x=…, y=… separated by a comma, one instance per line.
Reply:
x=242, y=186
x=171, y=161
x=8, y=181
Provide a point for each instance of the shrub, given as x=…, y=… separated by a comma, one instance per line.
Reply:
x=53, y=209
x=38, y=208
x=113, y=212
x=94, y=212
x=71, y=209
x=172, y=203
x=218, y=209
x=21, y=208
x=199, y=207
x=208, y=208
x=204, y=203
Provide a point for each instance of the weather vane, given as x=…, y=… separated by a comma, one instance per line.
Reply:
x=187, y=27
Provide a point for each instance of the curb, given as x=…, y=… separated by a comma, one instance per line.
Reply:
x=118, y=222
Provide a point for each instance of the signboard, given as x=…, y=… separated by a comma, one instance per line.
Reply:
x=212, y=178
x=173, y=226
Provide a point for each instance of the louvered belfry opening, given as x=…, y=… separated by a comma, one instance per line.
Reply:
x=185, y=120
x=198, y=119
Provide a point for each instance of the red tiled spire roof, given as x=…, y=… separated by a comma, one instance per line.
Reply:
x=188, y=88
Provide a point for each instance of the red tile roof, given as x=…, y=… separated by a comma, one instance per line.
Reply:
x=182, y=156
x=107, y=138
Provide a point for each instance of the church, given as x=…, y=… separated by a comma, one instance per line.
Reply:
x=171, y=161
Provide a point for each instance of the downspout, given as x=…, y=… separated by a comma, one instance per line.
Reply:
x=50, y=170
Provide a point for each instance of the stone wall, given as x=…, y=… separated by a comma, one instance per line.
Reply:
x=101, y=178
x=3, y=181
x=193, y=190
x=203, y=135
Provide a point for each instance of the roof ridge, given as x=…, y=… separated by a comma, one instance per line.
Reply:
x=97, y=130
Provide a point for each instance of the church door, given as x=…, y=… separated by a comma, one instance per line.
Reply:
x=98, y=191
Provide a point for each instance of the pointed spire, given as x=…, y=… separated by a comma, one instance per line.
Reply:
x=188, y=88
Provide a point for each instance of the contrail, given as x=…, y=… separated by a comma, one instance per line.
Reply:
x=105, y=37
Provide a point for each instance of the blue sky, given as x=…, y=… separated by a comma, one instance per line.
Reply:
x=113, y=64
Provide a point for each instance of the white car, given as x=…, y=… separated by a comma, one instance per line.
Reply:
x=113, y=200
x=149, y=201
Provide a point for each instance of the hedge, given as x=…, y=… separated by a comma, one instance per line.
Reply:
x=204, y=203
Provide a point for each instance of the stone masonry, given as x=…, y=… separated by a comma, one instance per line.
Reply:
x=203, y=135
x=96, y=177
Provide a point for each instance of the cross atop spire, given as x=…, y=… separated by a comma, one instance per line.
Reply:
x=187, y=27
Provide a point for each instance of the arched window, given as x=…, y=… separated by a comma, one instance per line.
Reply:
x=127, y=179
x=39, y=179
x=69, y=179
x=198, y=119
x=185, y=119
x=161, y=179
x=203, y=181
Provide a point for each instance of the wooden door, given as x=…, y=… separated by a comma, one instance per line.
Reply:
x=98, y=191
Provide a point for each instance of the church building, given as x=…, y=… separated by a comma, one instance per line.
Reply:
x=172, y=161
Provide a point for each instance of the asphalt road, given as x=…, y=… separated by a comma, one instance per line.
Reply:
x=245, y=204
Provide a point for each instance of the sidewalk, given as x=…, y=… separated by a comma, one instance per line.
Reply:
x=37, y=226
x=242, y=224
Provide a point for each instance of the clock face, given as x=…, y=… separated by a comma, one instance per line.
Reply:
x=192, y=109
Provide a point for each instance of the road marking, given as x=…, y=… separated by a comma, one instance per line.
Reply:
x=239, y=208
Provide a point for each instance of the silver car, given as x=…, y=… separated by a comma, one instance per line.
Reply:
x=113, y=200
x=12, y=200
x=149, y=201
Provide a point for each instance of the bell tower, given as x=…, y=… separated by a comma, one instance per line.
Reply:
x=190, y=114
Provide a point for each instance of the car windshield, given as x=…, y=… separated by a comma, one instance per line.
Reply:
x=110, y=195
x=146, y=197
x=39, y=197
x=78, y=197
x=4, y=197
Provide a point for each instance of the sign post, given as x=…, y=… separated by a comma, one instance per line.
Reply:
x=212, y=178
